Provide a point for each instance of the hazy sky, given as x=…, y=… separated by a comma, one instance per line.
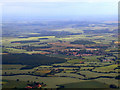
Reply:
x=59, y=8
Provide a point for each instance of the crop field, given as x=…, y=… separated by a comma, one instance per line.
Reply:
x=88, y=59
x=106, y=68
x=69, y=75
x=62, y=64
x=42, y=66
x=92, y=58
x=90, y=74
x=68, y=68
x=42, y=72
x=7, y=41
x=75, y=61
x=62, y=56
x=69, y=71
x=12, y=50
x=86, y=68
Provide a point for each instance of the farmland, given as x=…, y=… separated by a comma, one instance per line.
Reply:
x=73, y=56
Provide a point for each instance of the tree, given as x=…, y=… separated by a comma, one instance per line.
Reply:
x=17, y=80
x=117, y=77
x=5, y=73
x=113, y=86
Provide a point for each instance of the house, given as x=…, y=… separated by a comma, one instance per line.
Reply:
x=81, y=62
x=106, y=60
x=35, y=86
x=39, y=86
x=28, y=87
x=92, y=49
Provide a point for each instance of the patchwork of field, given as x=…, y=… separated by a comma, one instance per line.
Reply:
x=101, y=82
x=82, y=55
x=104, y=39
x=70, y=75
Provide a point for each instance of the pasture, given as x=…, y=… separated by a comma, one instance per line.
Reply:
x=89, y=74
x=14, y=84
x=106, y=68
x=47, y=80
x=11, y=67
x=87, y=84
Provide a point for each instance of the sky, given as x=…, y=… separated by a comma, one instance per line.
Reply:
x=59, y=9
x=2, y=1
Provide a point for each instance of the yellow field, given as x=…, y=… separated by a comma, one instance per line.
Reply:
x=43, y=71
x=3, y=83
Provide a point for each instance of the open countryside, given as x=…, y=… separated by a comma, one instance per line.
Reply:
x=81, y=58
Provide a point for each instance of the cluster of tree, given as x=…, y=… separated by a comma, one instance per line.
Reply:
x=99, y=39
x=27, y=41
x=82, y=42
x=117, y=77
x=23, y=37
x=26, y=59
x=113, y=86
x=30, y=48
x=101, y=47
x=53, y=33
x=98, y=31
x=43, y=38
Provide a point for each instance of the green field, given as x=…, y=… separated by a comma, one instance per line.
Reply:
x=106, y=68
x=69, y=75
x=14, y=84
x=47, y=80
x=90, y=74
x=87, y=84
x=11, y=67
